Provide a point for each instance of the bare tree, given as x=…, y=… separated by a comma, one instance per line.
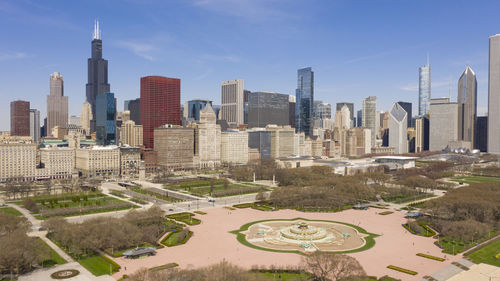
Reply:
x=329, y=266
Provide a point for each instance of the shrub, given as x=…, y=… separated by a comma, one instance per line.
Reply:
x=400, y=269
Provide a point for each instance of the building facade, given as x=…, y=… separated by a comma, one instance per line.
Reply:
x=131, y=134
x=265, y=108
x=134, y=106
x=467, y=105
x=232, y=102
x=97, y=74
x=208, y=139
x=98, y=161
x=160, y=105
x=58, y=162
x=443, y=123
x=422, y=134
x=130, y=161
x=407, y=106
x=57, y=103
x=193, y=108
x=304, y=101
x=369, y=118
x=18, y=160
x=86, y=117
x=424, y=89
x=282, y=141
x=35, y=124
x=494, y=95
x=398, y=127
x=106, y=119
x=234, y=148
x=481, y=136
x=20, y=118
x=174, y=146
x=349, y=105
x=260, y=140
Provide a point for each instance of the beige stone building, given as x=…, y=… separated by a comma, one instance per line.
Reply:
x=234, y=147
x=56, y=162
x=208, y=139
x=174, y=146
x=17, y=160
x=355, y=142
x=317, y=147
x=131, y=134
x=86, y=117
x=130, y=160
x=98, y=161
x=57, y=103
x=282, y=141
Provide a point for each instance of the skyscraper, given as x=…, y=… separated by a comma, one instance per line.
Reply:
x=349, y=105
x=160, y=105
x=407, y=106
x=86, y=117
x=424, y=88
x=443, y=123
x=106, y=119
x=134, y=106
x=97, y=73
x=193, y=108
x=398, y=128
x=233, y=101
x=322, y=110
x=57, y=103
x=35, y=124
x=494, y=96
x=265, y=108
x=369, y=117
x=305, y=101
x=467, y=104
x=20, y=118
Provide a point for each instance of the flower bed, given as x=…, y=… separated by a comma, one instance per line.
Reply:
x=430, y=257
x=65, y=274
x=400, y=269
x=385, y=213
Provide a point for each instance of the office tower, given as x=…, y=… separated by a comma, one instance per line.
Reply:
x=355, y=142
x=57, y=103
x=398, y=127
x=18, y=160
x=411, y=135
x=443, y=123
x=86, y=117
x=106, y=119
x=74, y=120
x=35, y=124
x=422, y=130
x=359, y=118
x=131, y=133
x=481, y=133
x=369, y=117
x=282, y=139
x=246, y=93
x=291, y=110
x=160, y=105
x=467, y=104
x=234, y=147
x=304, y=101
x=97, y=73
x=494, y=96
x=349, y=105
x=260, y=140
x=207, y=139
x=343, y=118
x=43, y=131
x=20, y=118
x=193, y=108
x=134, y=106
x=265, y=108
x=407, y=107
x=174, y=146
x=424, y=88
x=322, y=110
x=98, y=161
x=232, y=102
x=126, y=116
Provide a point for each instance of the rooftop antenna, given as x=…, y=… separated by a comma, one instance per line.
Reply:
x=97, y=31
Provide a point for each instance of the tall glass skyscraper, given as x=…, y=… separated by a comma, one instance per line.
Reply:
x=305, y=101
x=106, y=119
x=97, y=73
x=424, y=89
x=467, y=105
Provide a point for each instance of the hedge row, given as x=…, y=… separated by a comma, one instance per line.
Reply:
x=400, y=269
x=430, y=257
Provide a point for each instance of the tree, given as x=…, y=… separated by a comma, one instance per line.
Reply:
x=329, y=266
x=30, y=205
x=226, y=184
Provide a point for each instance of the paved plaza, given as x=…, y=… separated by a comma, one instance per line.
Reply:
x=212, y=242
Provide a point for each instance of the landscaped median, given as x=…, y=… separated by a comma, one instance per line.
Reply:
x=400, y=269
x=185, y=217
x=430, y=257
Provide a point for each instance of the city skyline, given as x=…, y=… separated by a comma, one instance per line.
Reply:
x=148, y=47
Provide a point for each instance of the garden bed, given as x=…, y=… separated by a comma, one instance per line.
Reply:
x=430, y=257
x=172, y=239
x=403, y=270
x=185, y=217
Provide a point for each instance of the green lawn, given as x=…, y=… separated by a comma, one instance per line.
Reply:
x=476, y=179
x=451, y=246
x=54, y=259
x=185, y=217
x=487, y=254
x=283, y=275
x=171, y=239
x=156, y=195
x=10, y=210
x=99, y=265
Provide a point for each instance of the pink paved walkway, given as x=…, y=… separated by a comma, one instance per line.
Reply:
x=212, y=243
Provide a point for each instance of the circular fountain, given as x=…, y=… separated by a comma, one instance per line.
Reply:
x=303, y=232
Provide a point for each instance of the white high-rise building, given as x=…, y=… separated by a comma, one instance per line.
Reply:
x=232, y=106
x=494, y=96
x=35, y=124
x=369, y=118
x=343, y=118
x=86, y=117
x=131, y=133
x=424, y=88
x=208, y=139
x=398, y=127
x=234, y=147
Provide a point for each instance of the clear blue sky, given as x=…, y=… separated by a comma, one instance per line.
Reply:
x=356, y=48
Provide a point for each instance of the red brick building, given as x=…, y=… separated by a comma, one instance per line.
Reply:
x=160, y=105
x=20, y=118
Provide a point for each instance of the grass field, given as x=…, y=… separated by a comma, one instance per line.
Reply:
x=156, y=195
x=10, y=210
x=476, y=179
x=171, y=239
x=451, y=246
x=487, y=254
x=99, y=265
x=54, y=259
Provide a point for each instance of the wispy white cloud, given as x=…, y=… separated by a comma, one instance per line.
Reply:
x=222, y=58
x=143, y=50
x=12, y=56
